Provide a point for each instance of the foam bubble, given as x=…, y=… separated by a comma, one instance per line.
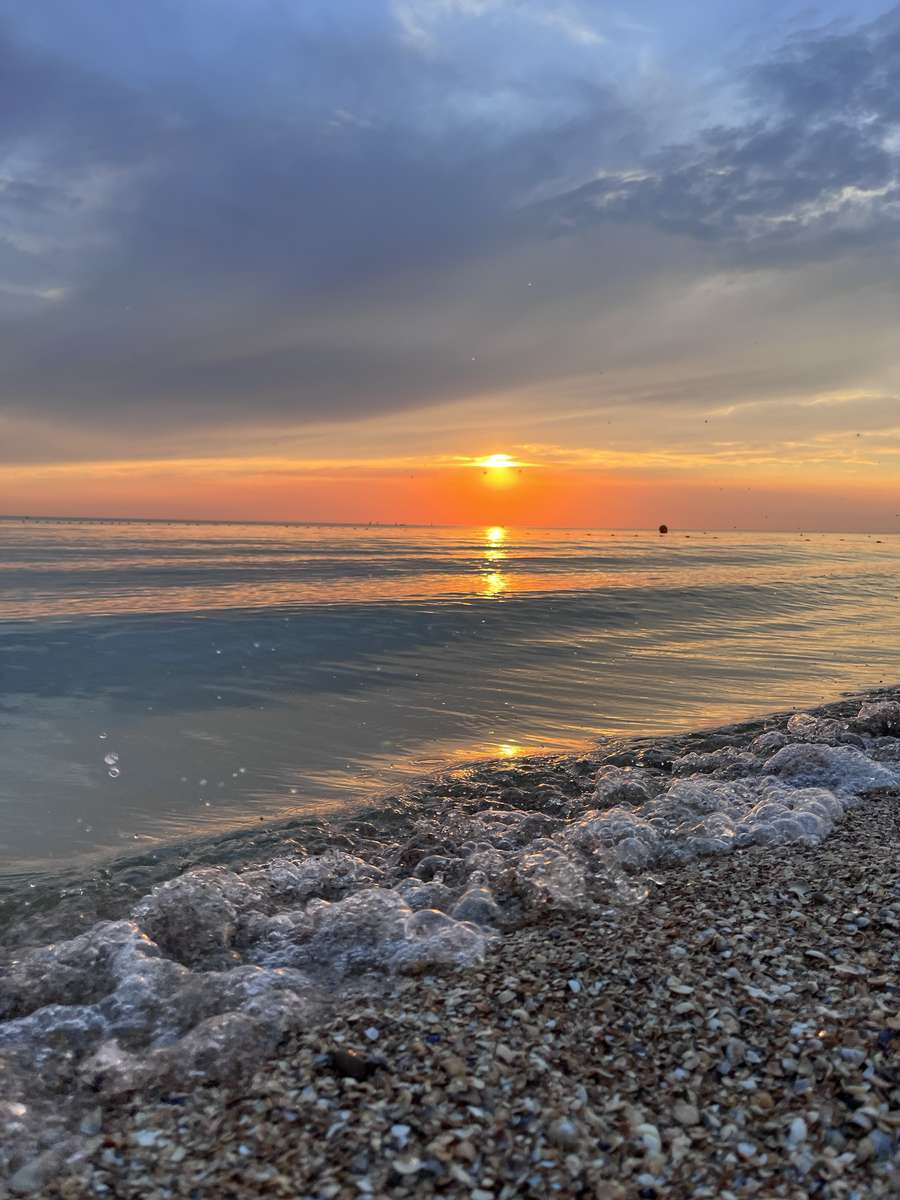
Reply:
x=767, y=743
x=726, y=763
x=879, y=717
x=841, y=768
x=621, y=785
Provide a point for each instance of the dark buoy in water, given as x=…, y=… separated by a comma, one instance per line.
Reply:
x=663, y=529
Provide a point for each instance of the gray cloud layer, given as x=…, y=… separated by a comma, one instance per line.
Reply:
x=238, y=215
x=811, y=172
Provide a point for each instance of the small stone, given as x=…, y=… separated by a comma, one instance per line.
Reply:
x=679, y=988
x=407, y=1166
x=92, y=1122
x=865, y=1149
x=400, y=1133
x=608, y=1189
x=796, y=1132
x=685, y=1114
x=649, y=1135
x=564, y=1133
x=575, y=986
x=350, y=1065
x=33, y=1175
x=882, y=1142
x=736, y=1050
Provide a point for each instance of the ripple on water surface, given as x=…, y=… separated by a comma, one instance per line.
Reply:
x=245, y=674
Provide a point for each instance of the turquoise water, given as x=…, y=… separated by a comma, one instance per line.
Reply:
x=160, y=681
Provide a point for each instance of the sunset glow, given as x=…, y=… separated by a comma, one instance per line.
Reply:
x=294, y=315
x=497, y=462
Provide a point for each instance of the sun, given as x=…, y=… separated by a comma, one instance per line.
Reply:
x=499, y=470
x=497, y=462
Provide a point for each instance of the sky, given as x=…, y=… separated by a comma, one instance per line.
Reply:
x=308, y=260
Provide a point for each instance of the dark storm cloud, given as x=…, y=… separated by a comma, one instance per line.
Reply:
x=248, y=214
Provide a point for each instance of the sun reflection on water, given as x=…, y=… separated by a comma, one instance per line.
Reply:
x=494, y=582
x=509, y=750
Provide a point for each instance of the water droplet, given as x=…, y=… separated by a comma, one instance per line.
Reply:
x=102, y=736
x=111, y=759
x=204, y=782
x=114, y=773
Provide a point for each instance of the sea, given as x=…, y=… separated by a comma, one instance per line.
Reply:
x=170, y=680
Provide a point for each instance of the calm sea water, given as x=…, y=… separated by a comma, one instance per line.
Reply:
x=165, y=680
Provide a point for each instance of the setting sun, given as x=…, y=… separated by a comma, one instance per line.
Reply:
x=497, y=462
x=499, y=470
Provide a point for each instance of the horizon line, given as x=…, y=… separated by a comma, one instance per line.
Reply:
x=687, y=529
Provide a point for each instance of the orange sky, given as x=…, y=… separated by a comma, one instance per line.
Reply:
x=466, y=493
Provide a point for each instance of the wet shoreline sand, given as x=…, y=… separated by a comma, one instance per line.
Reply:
x=735, y=1035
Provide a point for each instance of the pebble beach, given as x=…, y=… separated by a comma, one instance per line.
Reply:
x=624, y=1002
x=738, y=1036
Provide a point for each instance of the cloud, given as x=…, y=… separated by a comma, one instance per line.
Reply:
x=427, y=24
x=813, y=170
x=229, y=217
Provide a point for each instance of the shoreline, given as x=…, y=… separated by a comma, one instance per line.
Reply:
x=468, y=948
x=736, y=1035
x=105, y=886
